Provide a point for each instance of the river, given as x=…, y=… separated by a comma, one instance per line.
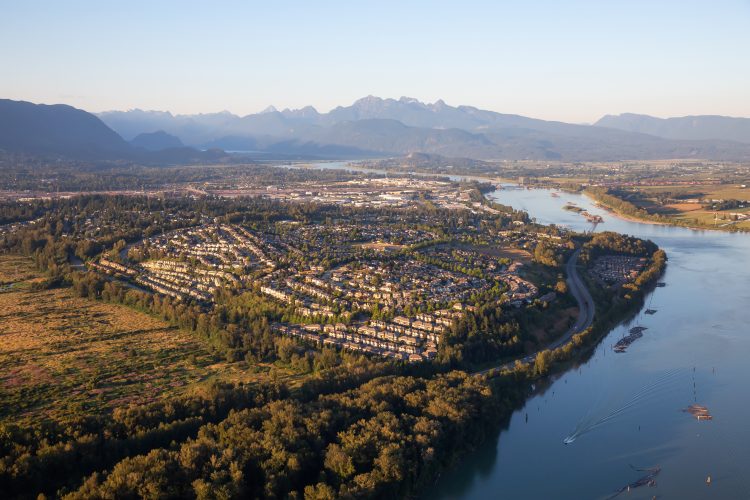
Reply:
x=625, y=409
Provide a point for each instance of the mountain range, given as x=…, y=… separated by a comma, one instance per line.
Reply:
x=707, y=127
x=370, y=127
x=373, y=126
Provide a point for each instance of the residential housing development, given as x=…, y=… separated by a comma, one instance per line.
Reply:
x=380, y=289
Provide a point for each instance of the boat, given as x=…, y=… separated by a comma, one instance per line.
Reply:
x=661, y=284
x=700, y=412
x=650, y=311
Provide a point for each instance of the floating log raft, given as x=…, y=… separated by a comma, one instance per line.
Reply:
x=700, y=412
x=647, y=480
x=635, y=333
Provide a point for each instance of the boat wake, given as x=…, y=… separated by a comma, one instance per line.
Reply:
x=649, y=391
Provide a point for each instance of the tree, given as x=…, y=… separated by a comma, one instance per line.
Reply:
x=320, y=491
x=542, y=362
x=339, y=462
x=545, y=254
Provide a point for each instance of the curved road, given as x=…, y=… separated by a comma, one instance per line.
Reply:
x=583, y=321
x=583, y=297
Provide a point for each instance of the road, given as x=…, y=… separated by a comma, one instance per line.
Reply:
x=584, y=320
x=584, y=299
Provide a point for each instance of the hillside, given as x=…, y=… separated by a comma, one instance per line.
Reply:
x=64, y=131
x=706, y=127
x=156, y=141
x=56, y=130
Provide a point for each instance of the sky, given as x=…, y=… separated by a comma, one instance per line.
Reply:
x=566, y=60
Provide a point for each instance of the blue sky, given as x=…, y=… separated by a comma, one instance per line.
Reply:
x=565, y=60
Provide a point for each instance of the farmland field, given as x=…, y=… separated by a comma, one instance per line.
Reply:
x=693, y=204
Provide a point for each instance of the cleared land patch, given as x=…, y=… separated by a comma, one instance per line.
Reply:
x=62, y=355
x=506, y=252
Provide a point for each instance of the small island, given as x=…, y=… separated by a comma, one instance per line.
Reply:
x=572, y=207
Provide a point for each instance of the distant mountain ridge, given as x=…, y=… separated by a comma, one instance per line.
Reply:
x=377, y=126
x=156, y=141
x=702, y=127
x=370, y=127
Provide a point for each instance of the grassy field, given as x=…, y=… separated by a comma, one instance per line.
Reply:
x=713, y=191
x=62, y=355
x=500, y=252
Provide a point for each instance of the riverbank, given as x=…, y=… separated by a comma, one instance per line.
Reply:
x=601, y=201
x=625, y=217
x=588, y=329
x=514, y=385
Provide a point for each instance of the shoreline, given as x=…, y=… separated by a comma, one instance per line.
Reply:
x=632, y=218
x=629, y=218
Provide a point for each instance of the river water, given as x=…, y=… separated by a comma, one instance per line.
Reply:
x=626, y=408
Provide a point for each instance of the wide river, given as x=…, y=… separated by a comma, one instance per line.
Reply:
x=625, y=409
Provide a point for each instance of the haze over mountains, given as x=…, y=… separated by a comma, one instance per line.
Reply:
x=375, y=126
x=369, y=127
x=156, y=141
x=705, y=127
